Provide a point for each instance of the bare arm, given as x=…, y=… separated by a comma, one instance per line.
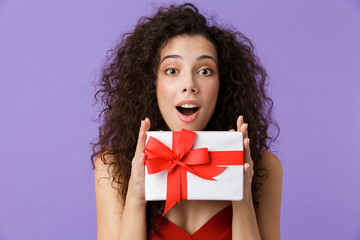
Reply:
x=268, y=211
x=116, y=219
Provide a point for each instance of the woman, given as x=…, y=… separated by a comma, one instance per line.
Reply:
x=178, y=71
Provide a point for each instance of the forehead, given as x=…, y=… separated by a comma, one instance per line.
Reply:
x=186, y=45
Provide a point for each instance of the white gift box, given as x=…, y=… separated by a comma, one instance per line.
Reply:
x=228, y=185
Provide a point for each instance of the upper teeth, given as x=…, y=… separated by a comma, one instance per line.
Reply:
x=188, y=106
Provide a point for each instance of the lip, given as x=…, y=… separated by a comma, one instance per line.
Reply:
x=185, y=118
x=188, y=102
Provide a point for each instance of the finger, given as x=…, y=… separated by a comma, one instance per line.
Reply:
x=141, y=138
x=248, y=172
x=141, y=165
x=241, y=126
x=247, y=151
x=246, y=169
x=148, y=124
x=239, y=122
x=231, y=130
x=244, y=130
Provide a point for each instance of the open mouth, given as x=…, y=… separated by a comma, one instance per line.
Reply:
x=187, y=109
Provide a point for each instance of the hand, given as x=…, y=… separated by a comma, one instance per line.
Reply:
x=137, y=179
x=244, y=225
x=248, y=162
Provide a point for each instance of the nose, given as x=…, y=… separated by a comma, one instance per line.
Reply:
x=190, y=86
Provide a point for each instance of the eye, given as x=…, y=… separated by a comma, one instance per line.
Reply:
x=171, y=71
x=205, y=71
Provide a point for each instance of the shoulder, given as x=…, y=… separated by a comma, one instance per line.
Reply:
x=104, y=167
x=269, y=174
x=104, y=157
x=272, y=182
x=105, y=163
x=270, y=162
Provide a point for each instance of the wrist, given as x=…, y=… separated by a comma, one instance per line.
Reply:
x=135, y=202
x=243, y=204
x=136, y=194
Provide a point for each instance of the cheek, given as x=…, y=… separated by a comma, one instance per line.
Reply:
x=212, y=92
x=163, y=93
x=160, y=90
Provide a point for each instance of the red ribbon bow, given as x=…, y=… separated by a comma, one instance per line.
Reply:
x=181, y=159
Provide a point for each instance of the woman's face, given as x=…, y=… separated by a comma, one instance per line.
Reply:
x=187, y=82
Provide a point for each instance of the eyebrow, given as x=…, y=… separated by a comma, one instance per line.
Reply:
x=180, y=57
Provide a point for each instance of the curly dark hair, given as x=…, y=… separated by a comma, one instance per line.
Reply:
x=128, y=90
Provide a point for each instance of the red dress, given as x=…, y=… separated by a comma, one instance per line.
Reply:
x=217, y=228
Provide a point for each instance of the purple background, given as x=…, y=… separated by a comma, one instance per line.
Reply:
x=50, y=54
